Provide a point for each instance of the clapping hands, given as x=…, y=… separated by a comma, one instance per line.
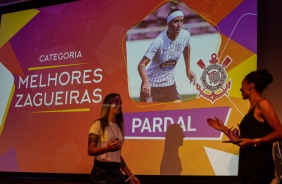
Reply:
x=215, y=123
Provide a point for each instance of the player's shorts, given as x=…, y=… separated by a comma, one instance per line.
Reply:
x=162, y=94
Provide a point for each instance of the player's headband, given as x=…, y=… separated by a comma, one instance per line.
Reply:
x=177, y=13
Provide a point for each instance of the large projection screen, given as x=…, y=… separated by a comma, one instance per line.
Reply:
x=57, y=63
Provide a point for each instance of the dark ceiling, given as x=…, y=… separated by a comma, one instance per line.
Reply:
x=8, y=6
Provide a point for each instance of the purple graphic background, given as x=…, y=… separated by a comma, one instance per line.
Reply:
x=198, y=128
x=234, y=25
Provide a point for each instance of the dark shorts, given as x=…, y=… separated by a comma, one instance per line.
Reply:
x=162, y=94
x=106, y=173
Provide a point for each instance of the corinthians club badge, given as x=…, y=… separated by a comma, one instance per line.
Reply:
x=213, y=79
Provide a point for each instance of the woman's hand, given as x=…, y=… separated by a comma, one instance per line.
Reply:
x=134, y=180
x=146, y=88
x=244, y=142
x=114, y=145
x=215, y=123
x=191, y=76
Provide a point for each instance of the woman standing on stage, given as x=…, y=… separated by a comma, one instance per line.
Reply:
x=258, y=130
x=106, y=136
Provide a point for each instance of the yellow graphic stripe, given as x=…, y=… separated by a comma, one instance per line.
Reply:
x=7, y=109
x=65, y=110
x=56, y=66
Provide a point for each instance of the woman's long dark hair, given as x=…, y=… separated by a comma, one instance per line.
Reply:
x=108, y=100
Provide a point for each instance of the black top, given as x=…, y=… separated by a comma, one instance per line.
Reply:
x=255, y=160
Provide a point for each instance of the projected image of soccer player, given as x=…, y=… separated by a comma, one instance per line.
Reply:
x=158, y=80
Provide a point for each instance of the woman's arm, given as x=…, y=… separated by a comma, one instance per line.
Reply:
x=191, y=75
x=265, y=112
x=268, y=114
x=133, y=179
x=218, y=125
x=146, y=87
x=93, y=150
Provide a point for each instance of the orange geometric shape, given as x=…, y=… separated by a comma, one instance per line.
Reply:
x=203, y=8
x=9, y=60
